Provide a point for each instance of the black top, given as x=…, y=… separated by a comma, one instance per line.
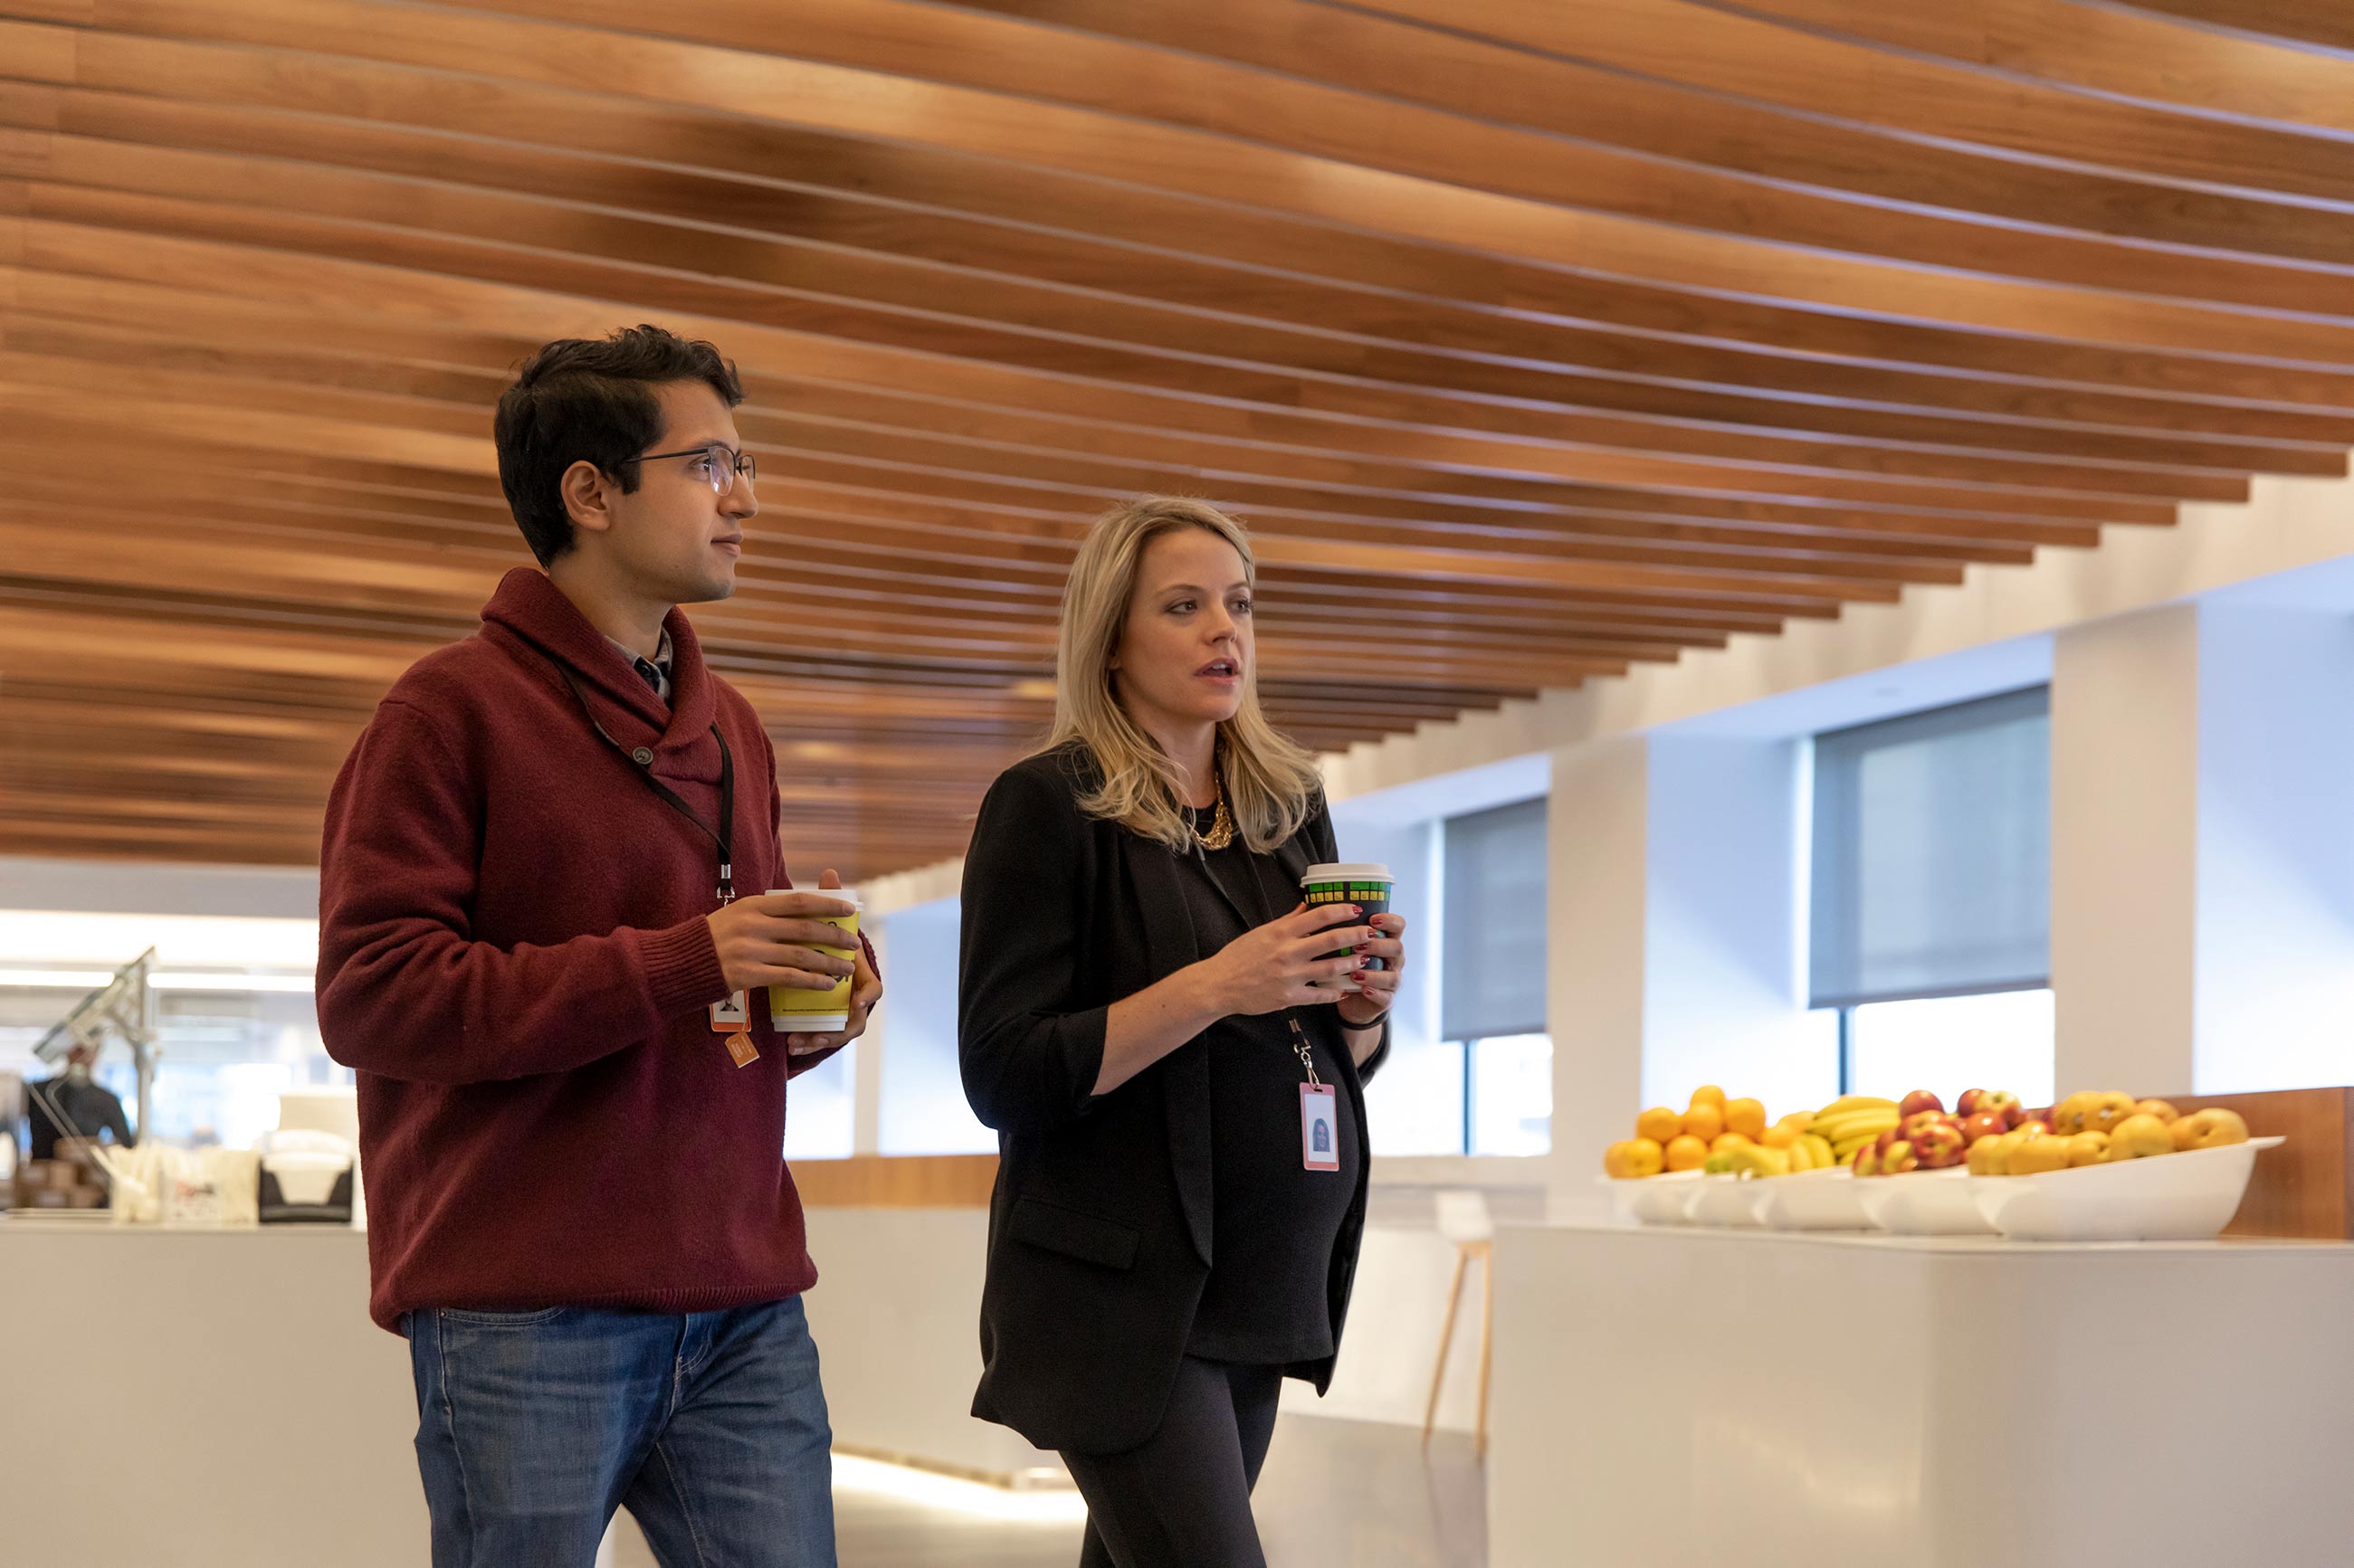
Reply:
x=1106, y=1221
x=1275, y=1219
x=91, y=1108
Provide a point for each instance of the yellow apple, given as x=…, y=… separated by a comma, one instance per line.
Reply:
x=2211, y=1129
x=2139, y=1137
x=2106, y=1110
x=2035, y=1156
x=2088, y=1148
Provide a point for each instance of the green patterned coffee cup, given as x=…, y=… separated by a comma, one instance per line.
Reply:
x=1365, y=883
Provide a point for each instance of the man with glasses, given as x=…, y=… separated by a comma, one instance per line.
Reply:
x=543, y=909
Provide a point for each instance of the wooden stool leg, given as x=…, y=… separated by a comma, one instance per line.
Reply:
x=1487, y=1334
x=1446, y=1338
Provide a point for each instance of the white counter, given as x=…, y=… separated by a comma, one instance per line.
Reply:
x=1784, y=1400
x=205, y=1400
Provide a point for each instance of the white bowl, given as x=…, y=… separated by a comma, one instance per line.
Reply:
x=1814, y=1201
x=2188, y=1196
x=1925, y=1202
x=1727, y=1201
x=1659, y=1200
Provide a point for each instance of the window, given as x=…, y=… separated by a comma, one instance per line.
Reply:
x=222, y=1058
x=1931, y=900
x=1492, y=976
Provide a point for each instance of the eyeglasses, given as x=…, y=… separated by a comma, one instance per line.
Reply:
x=716, y=465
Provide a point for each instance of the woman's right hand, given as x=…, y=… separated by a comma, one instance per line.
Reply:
x=1278, y=965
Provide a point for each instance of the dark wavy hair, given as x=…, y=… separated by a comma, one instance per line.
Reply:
x=590, y=400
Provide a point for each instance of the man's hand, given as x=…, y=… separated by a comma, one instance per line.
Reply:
x=771, y=938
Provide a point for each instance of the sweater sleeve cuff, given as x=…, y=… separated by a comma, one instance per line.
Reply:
x=683, y=969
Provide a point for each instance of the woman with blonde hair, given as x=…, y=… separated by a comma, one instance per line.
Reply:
x=1146, y=1011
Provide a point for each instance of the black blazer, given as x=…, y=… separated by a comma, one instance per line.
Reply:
x=1100, y=1229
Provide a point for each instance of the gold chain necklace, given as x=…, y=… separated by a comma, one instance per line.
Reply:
x=1221, y=821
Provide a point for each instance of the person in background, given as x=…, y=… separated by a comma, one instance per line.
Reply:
x=1148, y=1020
x=542, y=906
x=89, y=1108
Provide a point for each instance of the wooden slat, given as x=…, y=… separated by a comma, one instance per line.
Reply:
x=904, y=1182
x=1536, y=342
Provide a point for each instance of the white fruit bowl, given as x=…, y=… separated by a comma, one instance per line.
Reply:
x=2190, y=1196
x=1729, y=1202
x=1813, y=1200
x=1925, y=1203
x=1660, y=1200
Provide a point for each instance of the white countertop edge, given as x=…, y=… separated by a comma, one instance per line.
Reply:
x=1988, y=1246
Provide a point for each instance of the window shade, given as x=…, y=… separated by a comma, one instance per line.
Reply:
x=1932, y=854
x=1492, y=972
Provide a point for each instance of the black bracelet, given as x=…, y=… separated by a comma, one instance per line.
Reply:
x=1378, y=1020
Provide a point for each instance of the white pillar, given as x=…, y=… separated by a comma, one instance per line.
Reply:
x=2124, y=811
x=1596, y=895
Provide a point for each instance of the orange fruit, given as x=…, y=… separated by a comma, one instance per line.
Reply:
x=1632, y=1160
x=1687, y=1153
x=1705, y=1121
x=1659, y=1124
x=1746, y=1117
x=1781, y=1135
x=1708, y=1093
x=1726, y=1142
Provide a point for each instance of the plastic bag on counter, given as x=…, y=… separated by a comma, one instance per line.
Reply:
x=156, y=1184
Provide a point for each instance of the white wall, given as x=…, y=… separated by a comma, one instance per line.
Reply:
x=2274, y=921
x=2202, y=874
x=1726, y=990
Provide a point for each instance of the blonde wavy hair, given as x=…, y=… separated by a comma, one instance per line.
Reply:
x=1271, y=782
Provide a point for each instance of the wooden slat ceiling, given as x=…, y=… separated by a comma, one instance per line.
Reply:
x=1536, y=338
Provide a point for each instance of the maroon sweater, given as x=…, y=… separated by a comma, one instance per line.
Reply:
x=513, y=955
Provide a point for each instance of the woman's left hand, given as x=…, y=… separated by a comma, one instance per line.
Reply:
x=1364, y=1009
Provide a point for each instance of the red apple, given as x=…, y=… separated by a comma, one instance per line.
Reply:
x=2043, y=1116
x=1911, y=1126
x=2035, y=1127
x=1984, y=1124
x=1974, y=1101
x=1867, y=1161
x=1938, y=1145
x=1885, y=1141
x=1899, y=1158
x=1916, y=1102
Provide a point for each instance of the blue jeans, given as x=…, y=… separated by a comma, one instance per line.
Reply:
x=710, y=1429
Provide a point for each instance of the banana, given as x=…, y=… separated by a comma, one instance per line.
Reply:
x=1847, y=1113
x=1860, y=1127
x=1846, y=1103
x=1818, y=1149
x=1855, y=1112
x=1801, y=1156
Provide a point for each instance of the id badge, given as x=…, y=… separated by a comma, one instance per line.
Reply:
x=734, y=1014
x=1319, y=1128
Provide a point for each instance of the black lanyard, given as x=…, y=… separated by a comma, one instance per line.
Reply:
x=643, y=758
x=1266, y=915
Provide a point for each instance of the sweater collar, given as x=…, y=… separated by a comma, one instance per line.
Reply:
x=534, y=610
